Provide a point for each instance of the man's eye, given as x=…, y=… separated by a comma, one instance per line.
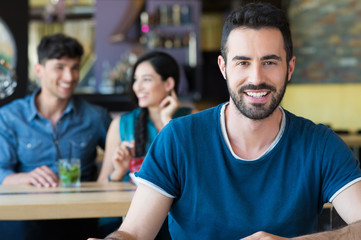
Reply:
x=243, y=63
x=269, y=63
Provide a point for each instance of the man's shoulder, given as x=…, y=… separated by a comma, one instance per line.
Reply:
x=305, y=125
x=16, y=105
x=16, y=111
x=298, y=119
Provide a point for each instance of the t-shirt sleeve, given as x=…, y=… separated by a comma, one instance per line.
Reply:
x=160, y=167
x=340, y=167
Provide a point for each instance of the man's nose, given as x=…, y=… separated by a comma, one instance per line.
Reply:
x=256, y=76
x=68, y=74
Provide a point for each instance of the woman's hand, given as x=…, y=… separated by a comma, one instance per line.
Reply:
x=121, y=159
x=169, y=106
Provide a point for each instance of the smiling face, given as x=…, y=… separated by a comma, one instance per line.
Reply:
x=59, y=77
x=149, y=87
x=256, y=71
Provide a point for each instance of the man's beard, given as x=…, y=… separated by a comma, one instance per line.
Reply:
x=257, y=111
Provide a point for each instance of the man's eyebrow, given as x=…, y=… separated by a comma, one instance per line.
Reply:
x=271, y=56
x=267, y=57
x=76, y=65
x=240, y=58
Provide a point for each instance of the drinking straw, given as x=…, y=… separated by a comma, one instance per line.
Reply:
x=69, y=157
x=57, y=147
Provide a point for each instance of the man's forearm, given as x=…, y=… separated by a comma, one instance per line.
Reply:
x=15, y=179
x=119, y=235
x=350, y=232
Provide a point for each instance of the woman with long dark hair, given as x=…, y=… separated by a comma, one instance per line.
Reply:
x=153, y=86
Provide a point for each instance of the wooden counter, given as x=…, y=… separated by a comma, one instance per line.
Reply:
x=92, y=199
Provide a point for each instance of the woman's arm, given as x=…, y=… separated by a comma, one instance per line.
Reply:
x=111, y=143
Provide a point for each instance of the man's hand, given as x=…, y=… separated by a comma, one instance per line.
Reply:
x=117, y=235
x=42, y=177
x=263, y=236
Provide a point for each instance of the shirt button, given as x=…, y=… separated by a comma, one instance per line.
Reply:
x=28, y=145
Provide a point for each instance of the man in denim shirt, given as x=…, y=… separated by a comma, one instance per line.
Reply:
x=41, y=128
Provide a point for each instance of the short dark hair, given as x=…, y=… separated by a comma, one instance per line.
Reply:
x=58, y=46
x=163, y=63
x=257, y=16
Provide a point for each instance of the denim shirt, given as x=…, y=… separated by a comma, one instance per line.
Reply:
x=28, y=140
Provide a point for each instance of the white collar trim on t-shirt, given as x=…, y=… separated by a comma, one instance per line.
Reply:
x=225, y=135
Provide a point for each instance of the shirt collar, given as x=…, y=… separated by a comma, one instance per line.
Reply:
x=225, y=135
x=34, y=111
x=71, y=107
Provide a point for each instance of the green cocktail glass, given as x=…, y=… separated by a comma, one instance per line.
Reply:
x=69, y=172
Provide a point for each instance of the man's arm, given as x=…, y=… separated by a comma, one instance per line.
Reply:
x=348, y=206
x=40, y=177
x=348, y=203
x=350, y=232
x=117, y=235
x=145, y=217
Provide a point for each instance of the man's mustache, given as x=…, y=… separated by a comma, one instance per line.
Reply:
x=257, y=87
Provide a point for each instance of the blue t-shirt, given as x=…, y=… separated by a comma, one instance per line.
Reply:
x=28, y=140
x=218, y=196
x=129, y=120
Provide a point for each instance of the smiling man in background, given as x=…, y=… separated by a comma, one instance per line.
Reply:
x=45, y=126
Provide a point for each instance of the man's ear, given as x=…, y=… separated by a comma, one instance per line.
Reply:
x=39, y=70
x=169, y=84
x=222, y=66
x=291, y=67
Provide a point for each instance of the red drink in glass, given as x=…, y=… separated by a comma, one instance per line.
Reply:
x=135, y=164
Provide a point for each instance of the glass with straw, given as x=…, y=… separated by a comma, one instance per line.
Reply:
x=69, y=171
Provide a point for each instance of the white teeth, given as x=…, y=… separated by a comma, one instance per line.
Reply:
x=64, y=85
x=256, y=94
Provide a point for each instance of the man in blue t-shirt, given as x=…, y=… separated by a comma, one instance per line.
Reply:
x=247, y=169
x=45, y=126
